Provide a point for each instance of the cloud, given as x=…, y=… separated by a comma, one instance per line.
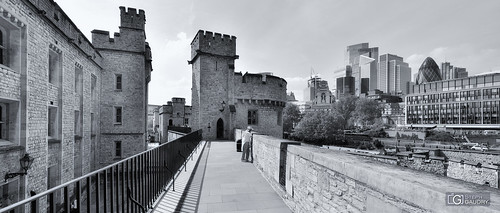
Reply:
x=171, y=76
x=297, y=86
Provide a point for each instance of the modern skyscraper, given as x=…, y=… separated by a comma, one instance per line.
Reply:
x=460, y=72
x=449, y=72
x=362, y=67
x=393, y=74
x=339, y=73
x=446, y=71
x=428, y=72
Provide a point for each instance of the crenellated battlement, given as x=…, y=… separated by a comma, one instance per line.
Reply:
x=260, y=86
x=178, y=100
x=131, y=37
x=207, y=42
x=131, y=19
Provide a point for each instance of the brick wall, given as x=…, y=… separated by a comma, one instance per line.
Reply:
x=322, y=180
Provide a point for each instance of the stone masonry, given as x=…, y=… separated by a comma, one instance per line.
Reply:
x=222, y=99
x=323, y=180
x=127, y=55
x=52, y=69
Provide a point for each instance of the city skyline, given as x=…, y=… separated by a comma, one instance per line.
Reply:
x=288, y=39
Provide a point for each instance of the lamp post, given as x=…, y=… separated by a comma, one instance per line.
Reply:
x=25, y=163
x=223, y=106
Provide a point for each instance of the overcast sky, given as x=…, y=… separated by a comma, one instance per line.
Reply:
x=289, y=38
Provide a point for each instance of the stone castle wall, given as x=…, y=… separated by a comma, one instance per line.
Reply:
x=124, y=55
x=214, y=82
x=39, y=27
x=28, y=87
x=259, y=87
x=322, y=180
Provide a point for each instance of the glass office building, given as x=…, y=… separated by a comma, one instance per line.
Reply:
x=428, y=72
x=466, y=103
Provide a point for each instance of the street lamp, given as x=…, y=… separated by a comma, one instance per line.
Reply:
x=25, y=163
x=223, y=105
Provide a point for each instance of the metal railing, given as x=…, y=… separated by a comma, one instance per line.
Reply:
x=130, y=185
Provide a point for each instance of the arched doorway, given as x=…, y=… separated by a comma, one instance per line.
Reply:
x=220, y=129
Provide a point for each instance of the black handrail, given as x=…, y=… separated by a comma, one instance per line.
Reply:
x=173, y=176
x=185, y=159
x=129, y=195
x=105, y=189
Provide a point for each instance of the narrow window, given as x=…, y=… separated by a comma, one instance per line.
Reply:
x=52, y=122
x=170, y=122
x=54, y=67
x=118, y=81
x=78, y=80
x=2, y=47
x=92, y=125
x=93, y=82
x=252, y=117
x=279, y=118
x=2, y=121
x=77, y=130
x=118, y=149
x=118, y=115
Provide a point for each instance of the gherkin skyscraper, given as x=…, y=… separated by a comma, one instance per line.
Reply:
x=428, y=72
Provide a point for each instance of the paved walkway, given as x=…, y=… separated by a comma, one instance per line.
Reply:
x=221, y=183
x=234, y=186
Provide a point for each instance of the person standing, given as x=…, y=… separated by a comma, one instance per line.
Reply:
x=246, y=140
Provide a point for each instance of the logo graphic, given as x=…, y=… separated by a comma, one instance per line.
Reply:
x=467, y=199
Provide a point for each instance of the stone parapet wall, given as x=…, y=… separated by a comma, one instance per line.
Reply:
x=172, y=135
x=484, y=175
x=322, y=180
x=474, y=156
x=432, y=165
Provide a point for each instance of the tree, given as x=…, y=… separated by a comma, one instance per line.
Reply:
x=309, y=127
x=291, y=116
x=367, y=111
x=344, y=108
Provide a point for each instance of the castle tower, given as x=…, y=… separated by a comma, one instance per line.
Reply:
x=212, y=60
x=125, y=77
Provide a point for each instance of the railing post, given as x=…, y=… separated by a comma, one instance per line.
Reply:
x=89, y=194
x=34, y=204
x=78, y=196
x=141, y=177
x=67, y=202
x=135, y=201
x=185, y=169
x=52, y=203
x=173, y=176
x=97, y=192
x=189, y=150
